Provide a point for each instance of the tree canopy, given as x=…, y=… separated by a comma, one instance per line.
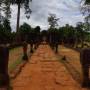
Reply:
x=87, y=2
x=52, y=20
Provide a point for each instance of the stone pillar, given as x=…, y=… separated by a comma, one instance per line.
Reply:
x=31, y=47
x=4, y=58
x=56, y=46
x=85, y=62
x=25, y=56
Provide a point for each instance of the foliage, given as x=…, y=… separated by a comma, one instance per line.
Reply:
x=5, y=32
x=26, y=5
x=37, y=29
x=34, y=35
x=67, y=33
x=1, y=33
x=80, y=31
x=5, y=8
x=52, y=19
x=87, y=1
x=29, y=34
x=24, y=31
x=37, y=33
x=87, y=23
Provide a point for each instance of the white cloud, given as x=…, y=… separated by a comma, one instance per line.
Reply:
x=67, y=10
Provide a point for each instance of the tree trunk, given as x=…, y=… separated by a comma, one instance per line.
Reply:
x=18, y=18
x=18, y=22
x=82, y=43
x=76, y=42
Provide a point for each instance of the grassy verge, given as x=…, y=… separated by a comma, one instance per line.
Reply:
x=14, y=49
x=15, y=64
x=16, y=58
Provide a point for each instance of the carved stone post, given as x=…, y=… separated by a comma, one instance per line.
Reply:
x=25, y=56
x=56, y=46
x=85, y=62
x=4, y=58
x=31, y=47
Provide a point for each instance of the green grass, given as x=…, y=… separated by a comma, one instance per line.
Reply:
x=15, y=64
x=14, y=49
x=18, y=61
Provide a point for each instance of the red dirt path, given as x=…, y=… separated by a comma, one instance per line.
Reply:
x=44, y=72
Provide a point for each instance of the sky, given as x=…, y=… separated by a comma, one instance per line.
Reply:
x=67, y=10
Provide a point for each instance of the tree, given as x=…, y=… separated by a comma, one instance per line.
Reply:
x=19, y=4
x=24, y=31
x=87, y=1
x=85, y=8
x=44, y=35
x=36, y=36
x=5, y=31
x=13, y=35
x=0, y=12
x=37, y=29
x=87, y=22
x=5, y=8
x=1, y=33
x=80, y=32
x=37, y=33
x=4, y=20
x=67, y=34
x=61, y=33
x=53, y=20
x=6, y=25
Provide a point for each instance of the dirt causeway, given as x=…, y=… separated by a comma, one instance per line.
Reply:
x=44, y=71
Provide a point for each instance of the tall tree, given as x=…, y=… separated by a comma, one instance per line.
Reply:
x=26, y=6
x=53, y=22
x=20, y=3
x=24, y=31
x=37, y=33
x=1, y=33
x=85, y=7
x=0, y=12
x=7, y=9
x=81, y=32
x=87, y=1
x=7, y=30
x=87, y=22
